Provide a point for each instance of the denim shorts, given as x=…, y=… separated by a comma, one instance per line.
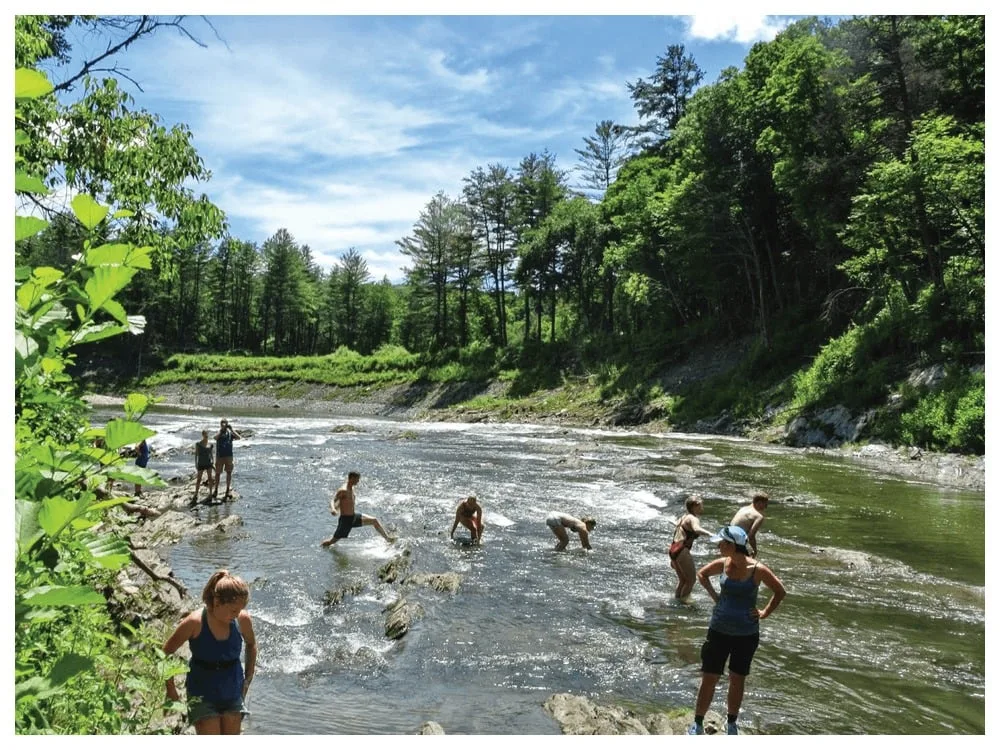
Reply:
x=199, y=708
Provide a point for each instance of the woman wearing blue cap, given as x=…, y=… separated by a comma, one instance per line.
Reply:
x=734, y=630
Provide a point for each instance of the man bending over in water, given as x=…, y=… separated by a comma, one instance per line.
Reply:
x=751, y=517
x=343, y=503
x=559, y=522
x=469, y=513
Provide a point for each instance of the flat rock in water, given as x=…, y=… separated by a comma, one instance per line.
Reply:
x=578, y=715
x=430, y=727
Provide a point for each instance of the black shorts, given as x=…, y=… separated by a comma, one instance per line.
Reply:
x=345, y=524
x=718, y=647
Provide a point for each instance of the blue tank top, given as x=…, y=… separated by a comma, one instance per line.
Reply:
x=732, y=612
x=216, y=673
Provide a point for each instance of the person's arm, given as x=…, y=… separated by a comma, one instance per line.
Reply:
x=454, y=526
x=705, y=576
x=235, y=434
x=183, y=633
x=770, y=580
x=752, y=535
x=696, y=527
x=335, y=503
x=250, y=640
x=584, y=536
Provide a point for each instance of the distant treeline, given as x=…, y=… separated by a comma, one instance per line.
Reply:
x=826, y=199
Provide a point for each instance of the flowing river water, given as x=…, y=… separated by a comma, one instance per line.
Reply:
x=882, y=631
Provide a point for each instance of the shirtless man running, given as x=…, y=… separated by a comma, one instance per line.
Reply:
x=751, y=517
x=343, y=504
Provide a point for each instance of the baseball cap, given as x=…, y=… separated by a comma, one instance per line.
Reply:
x=733, y=534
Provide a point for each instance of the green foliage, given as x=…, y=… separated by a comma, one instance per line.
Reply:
x=75, y=672
x=952, y=418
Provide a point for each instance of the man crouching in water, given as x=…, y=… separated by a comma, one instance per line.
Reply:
x=343, y=504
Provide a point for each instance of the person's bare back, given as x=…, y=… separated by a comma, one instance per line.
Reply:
x=751, y=517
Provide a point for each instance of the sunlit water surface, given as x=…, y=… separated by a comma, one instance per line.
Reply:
x=882, y=630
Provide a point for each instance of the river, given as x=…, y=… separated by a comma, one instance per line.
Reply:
x=882, y=631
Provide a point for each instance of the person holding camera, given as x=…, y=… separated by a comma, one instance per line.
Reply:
x=224, y=456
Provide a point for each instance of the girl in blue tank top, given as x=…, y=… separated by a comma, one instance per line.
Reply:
x=216, y=681
x=734, y=630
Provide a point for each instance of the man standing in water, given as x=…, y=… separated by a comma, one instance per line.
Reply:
x=343, y=503
x=751, y=517
x=224, y=456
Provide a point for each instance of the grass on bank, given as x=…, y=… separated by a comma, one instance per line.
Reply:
x=800, y=370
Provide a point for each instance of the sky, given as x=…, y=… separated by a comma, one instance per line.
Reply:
x=340, y=129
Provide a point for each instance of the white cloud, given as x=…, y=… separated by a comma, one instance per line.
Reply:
x=742, y=28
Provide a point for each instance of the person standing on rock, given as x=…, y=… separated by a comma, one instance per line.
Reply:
x=216, y=682
x=141, y=460
x=688, y=529
x=751, y=517
x=224, y=456
x=469, y=513
x=734, y=629
x=204, y=461
x=342, y=504
x=559, y=522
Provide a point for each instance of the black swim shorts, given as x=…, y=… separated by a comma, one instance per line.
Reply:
x=718, y=647
x=345, y=524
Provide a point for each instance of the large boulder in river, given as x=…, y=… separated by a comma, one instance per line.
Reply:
x=395, y=569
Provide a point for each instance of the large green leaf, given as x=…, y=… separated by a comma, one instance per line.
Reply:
x=62, y=596
x=109, y=552
x=25, y=183
x=27, y=226
x=26, y=528
x=57, y=511
x=121, y=432
x=113, y=255
x=88, y=211
x=68, y=666
x=98, y=331
x=30, y=84
x=105, y=283
x=117, y=311
x=136, y=405
x=137, y=475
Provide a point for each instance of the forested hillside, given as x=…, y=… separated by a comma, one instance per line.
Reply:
x=826, y=199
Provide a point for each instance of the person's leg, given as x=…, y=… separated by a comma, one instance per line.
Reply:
x=561, y=534
x=209, y=725
x=197, y=484
x=706, y=691
x=679, y=589
x=471, y=526
x=229, y=475
x=231, y=723
x=685, y=564
x=372, y=521
x=218, y=476
x=734, y=699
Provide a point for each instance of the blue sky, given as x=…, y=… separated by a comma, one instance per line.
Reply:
x=341, y=128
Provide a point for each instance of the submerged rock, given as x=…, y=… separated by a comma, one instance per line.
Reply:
x=399, y=616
